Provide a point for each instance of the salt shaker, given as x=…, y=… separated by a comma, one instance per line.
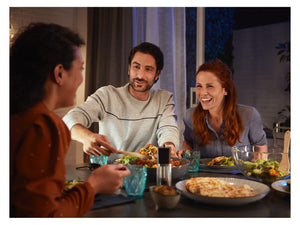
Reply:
x=164, y=168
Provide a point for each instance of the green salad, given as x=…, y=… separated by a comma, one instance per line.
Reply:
x=262, y=169
x=221, y=161
x=69, y=184
x=126, y=159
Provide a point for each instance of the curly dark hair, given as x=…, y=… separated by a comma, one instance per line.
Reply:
x=34, y=54
x=149, y=48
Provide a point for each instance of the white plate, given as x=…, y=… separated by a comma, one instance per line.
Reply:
x=260, y=190
x=280, y=185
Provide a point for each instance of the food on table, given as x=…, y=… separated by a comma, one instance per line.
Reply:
x=262, y=169
x=221, y=161
x=213, y=187
x=72, y=183
x=146, y=162
x=165, y=190
x=149, y=150
x=152, y=163
x=164, y=196
x=126, y=159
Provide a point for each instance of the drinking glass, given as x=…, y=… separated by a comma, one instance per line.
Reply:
x=135, y=183
x=194, y=158
x=101, y=159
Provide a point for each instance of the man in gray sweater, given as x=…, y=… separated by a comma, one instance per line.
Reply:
x=129, y=117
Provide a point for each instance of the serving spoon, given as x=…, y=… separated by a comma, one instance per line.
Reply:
x=141, y=156
x=285, y=163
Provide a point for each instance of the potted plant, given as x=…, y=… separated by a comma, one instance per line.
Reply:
x=284, y=115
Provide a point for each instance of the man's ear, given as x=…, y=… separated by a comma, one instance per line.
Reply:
x=128, y=70
x=157, y=74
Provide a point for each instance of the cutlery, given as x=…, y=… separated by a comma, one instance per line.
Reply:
x=285, y=163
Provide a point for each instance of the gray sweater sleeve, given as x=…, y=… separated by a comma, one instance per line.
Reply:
x=87, y=113
x=168, y=128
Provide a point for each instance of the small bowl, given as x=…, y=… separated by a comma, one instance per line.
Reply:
x=164, y=201
x=259, y=166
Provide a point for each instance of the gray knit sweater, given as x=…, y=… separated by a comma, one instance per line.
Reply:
x=128, y=123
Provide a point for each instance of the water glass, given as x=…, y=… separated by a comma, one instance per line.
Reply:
x=135, y=183
x=101, y=159
x=194, y=158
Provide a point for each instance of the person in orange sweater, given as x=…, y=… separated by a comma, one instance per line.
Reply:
x=45, y=71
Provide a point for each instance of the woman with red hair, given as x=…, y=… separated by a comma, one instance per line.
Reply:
x=217, y=123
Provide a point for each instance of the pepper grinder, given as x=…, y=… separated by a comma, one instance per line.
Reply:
x=164, y=168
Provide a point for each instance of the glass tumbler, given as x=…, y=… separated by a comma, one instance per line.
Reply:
x=101, y=159
x=135, y=183
x=194, y=158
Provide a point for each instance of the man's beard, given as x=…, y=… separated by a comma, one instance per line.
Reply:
x=136, y=88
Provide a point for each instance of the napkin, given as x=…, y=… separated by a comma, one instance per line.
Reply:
x=102, y=201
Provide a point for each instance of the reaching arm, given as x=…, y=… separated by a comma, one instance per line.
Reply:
x=167, y=132
x=93, y=144
x=262, y=148
x=185, y=146
x=173, y=149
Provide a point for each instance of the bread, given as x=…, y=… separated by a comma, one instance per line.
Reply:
x=213, y=187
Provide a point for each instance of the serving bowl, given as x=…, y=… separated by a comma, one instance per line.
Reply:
x=163, y=200
x=177, y=171
x=260, y=166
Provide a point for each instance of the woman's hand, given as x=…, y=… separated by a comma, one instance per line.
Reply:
x=185, y=146
x=107, y=179
x=260, y=149
x=179, y=153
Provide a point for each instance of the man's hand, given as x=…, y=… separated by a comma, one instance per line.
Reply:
x=172, y=150
x=93, y=144
x=97, y=144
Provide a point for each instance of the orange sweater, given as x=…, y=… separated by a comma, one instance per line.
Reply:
x=39, y=141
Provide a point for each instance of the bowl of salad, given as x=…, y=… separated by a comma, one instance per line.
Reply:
x=179, y=165
x=260, y=166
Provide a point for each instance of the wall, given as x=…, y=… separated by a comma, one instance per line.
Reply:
x=75, y=19
x=258, y=74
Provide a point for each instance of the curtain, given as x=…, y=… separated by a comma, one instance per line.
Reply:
x=108, y=46
x=165, y=27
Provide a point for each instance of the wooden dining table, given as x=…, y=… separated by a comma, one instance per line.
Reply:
x=274, y=205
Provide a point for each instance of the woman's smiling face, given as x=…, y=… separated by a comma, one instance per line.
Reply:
x=209, y=91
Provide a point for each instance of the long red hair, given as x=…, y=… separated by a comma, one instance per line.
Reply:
x=232, y=120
